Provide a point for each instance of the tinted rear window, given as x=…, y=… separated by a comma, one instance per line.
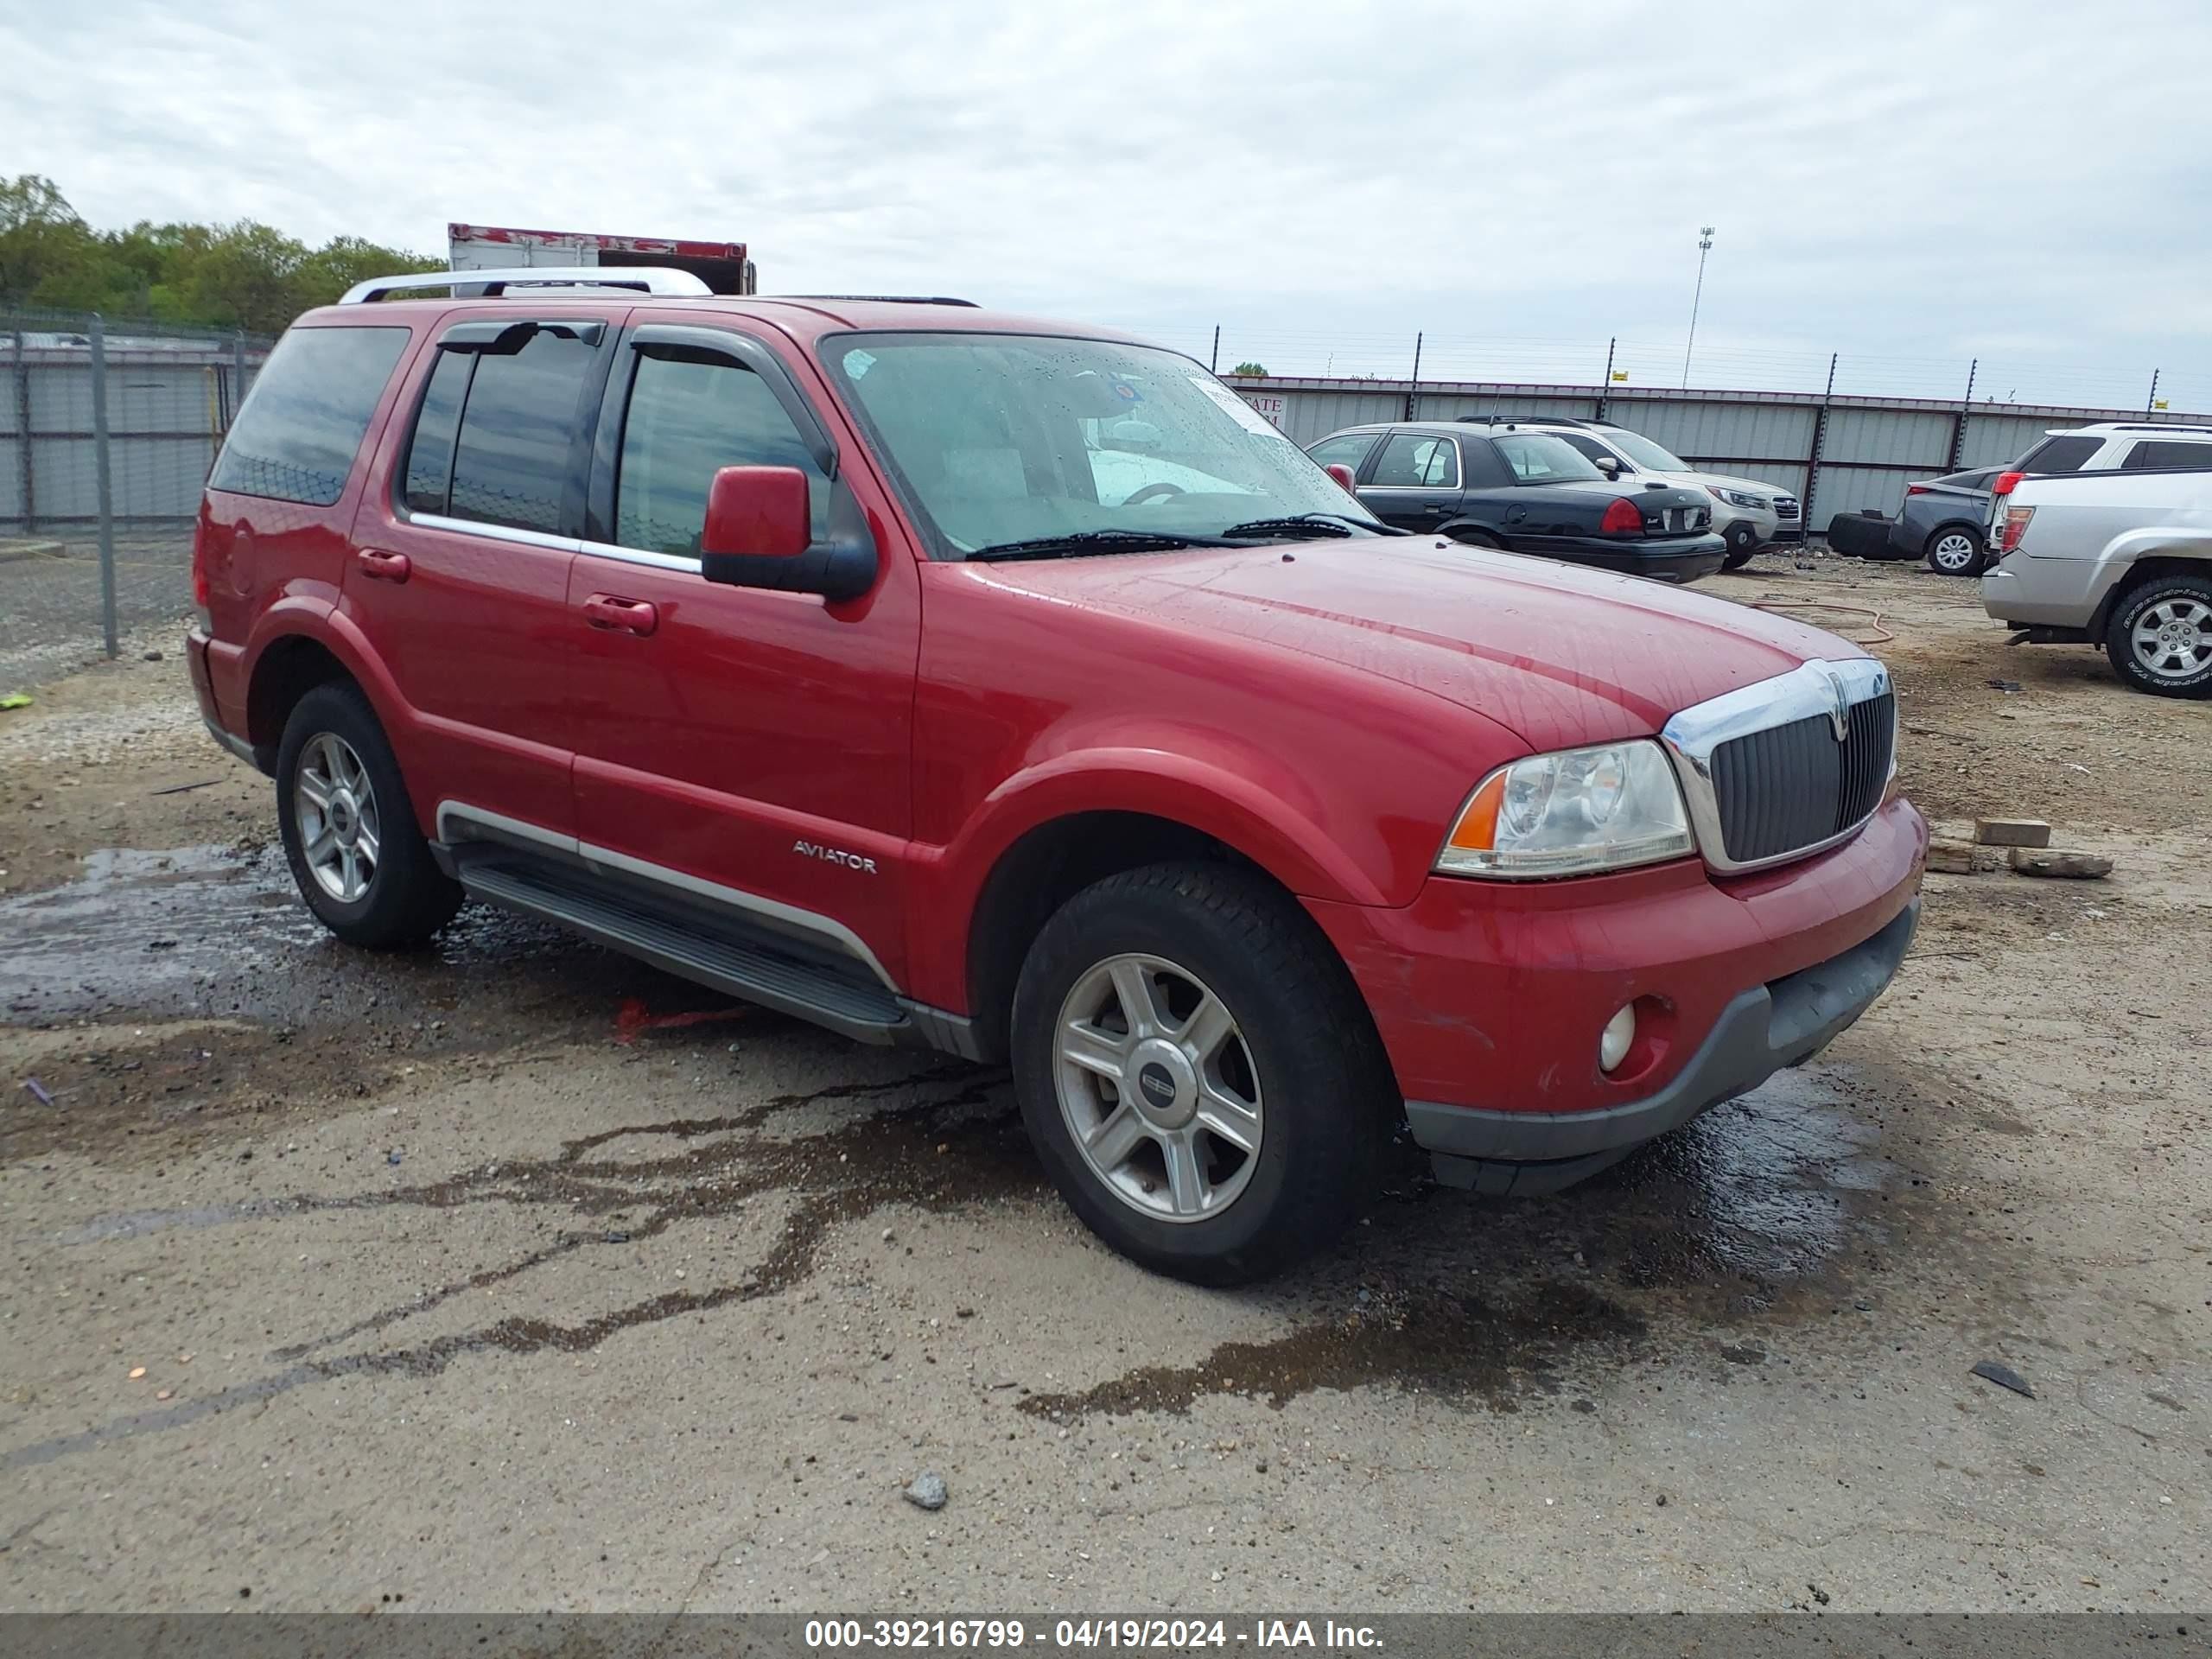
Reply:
x=2154, y=453
x=2060, y=455
x=296, y=438
x=510, y=464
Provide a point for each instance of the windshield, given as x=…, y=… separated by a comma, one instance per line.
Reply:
x=1540, y=458
x=1646, y=453
x=1006, y=439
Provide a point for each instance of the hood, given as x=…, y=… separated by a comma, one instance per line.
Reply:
x=1557, y=654
x=1722, y=481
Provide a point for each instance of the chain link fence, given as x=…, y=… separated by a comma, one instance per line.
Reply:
x=107, y=430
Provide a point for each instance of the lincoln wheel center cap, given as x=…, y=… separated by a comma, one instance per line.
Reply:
x=1166, y=1087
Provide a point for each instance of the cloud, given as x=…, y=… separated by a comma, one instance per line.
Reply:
x=1521, y=183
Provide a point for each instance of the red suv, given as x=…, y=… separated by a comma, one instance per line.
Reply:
x=1014, y=689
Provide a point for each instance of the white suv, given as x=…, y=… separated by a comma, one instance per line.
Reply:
x=2118, y=446
x=1750, y=514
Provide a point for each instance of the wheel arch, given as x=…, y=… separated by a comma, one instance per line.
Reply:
x=285, y=670
x=1044, y=868
x=2144, y=571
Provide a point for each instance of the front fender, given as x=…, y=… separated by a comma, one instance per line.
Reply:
x=1282, y=833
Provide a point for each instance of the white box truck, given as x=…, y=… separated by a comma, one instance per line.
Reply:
x=723, y=266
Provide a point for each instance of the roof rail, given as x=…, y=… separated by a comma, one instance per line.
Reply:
x=878, y=299
x=649, y=279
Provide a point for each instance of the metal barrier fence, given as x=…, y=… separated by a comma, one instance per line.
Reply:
x=107, y=429
x=1837, y=455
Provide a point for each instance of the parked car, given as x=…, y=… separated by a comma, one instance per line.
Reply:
x=2120, y=559
x=1945, y=520
x=1749, y=512
x=796, y=647
x=1525, y=491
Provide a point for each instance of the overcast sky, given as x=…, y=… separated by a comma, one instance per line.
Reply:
x=1912, y=184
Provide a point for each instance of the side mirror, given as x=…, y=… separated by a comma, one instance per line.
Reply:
x=1609, y=465
x=757, y=512
x=759, y=533
x=1343, y=474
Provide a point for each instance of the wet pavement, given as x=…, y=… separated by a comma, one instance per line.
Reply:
x=379, y=1186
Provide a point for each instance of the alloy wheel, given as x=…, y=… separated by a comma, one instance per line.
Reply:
x=2172, y=639
x=1955, y=553
x=335, y=806
x=1158, y=1088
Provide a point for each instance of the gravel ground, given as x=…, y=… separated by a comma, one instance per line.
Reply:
x=50, y=603
x=513, y=1274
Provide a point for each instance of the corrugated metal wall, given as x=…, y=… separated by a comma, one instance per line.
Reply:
x=167, y=411
x=1868, y=450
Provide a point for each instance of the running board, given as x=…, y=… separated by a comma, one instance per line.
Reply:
x=846, y=1002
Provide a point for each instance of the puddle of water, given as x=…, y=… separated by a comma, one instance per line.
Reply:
x=213, y=930
x=1464, y=1347
x=145, y=929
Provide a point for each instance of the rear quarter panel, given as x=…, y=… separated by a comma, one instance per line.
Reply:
x=277, y=568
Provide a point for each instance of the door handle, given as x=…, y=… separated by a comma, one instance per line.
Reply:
x=380, y=566
x=618, y=615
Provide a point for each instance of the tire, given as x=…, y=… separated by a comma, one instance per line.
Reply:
x=2173, y=657
x=1472, y=537
x=1299, y=1072
x=360, y=860
x=1955, y=550
x=1743, y=543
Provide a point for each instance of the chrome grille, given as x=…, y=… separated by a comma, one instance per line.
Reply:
x=1781, y=768
x=1793, y=786
x=1786, y=509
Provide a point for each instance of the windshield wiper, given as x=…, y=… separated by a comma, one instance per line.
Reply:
x=1096, y=540
x=1296, y=524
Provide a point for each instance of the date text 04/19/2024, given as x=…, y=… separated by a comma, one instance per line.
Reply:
x=1168, y=1635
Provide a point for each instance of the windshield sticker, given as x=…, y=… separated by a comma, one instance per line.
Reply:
x=1245, y=415
x=858, y=364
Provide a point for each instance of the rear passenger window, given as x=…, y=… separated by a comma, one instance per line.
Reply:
x=296, y=438
x=2060, y=455
x=689, y=416
x=430, y=455
x=511, y=459
x=1415, y=460
x=2153, y=453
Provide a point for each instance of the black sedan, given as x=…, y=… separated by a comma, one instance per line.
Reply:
x=1493, y=485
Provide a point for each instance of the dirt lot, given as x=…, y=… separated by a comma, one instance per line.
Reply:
x=517, y=1275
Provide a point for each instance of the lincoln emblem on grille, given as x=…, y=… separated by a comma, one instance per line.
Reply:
x=1839, y=716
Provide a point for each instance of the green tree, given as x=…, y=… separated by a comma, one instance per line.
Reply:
x=1257, y=371
x=242, y=275
x=41, y=238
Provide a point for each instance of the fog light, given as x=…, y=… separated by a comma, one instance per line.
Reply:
x=1613, y=1041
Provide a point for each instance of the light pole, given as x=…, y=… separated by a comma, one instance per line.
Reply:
x=1704, y=247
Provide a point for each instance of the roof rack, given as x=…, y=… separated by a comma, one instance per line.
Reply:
x=648, y=279
x=878, y=299
x=1525, y=420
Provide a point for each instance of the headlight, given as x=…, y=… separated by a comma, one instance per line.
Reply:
x=1568, y=814
x=1743, y=499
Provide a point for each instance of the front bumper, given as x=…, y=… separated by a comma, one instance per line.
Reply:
x=1761, y=1030
x=1489, y=996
